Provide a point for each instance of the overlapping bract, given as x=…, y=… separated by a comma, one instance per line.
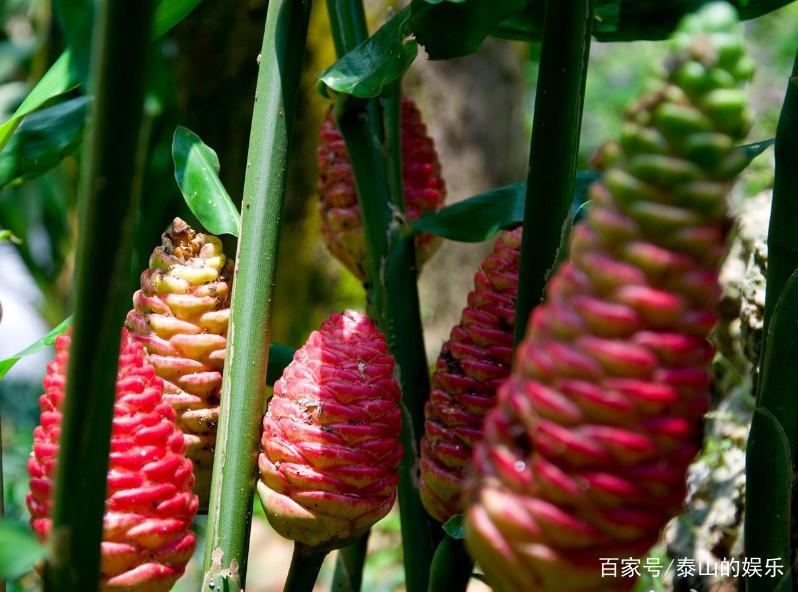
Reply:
x=472, y=364
x=180, y=315
x=147, y=538
x=331, y=436
x=424, y=190
x=585, y=455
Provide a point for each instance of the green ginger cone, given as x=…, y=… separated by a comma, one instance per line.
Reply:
x=585, y=455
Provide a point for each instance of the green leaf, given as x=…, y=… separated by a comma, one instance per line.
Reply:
x=168, y=13
x=374, y=65
x=197, y=175
x=63, y=74
x=77, y=18
x=454, y=527
x=279, y=357
x=477, y=218
x=480, y=217
x=42, y=140
x=756, y=148
x=58, y=80
x=46, y=341
x=7, y=235
x=627, y=20
x=454, y=29
x=19, y=551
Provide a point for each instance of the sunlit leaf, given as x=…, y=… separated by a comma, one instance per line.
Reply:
x=63, y=75
x=197, y=175
x=19, y=550
x=46, y=341
x=8, y=236
x=375, y=64
x=58, y=80
x=42, y=140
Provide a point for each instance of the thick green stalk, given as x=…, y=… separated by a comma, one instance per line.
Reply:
x=305, y=566
x=772, y=451
x=393, y=293
x=782, y=238
x=348, y=24
x=372, y=135
x=107, y=203
x=554, y=146
x=348, y=575
x=249, y=334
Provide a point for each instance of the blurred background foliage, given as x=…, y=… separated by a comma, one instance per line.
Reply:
x=478, y=110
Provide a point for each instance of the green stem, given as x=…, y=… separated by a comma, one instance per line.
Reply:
x=554, y=147
x=305, y=566
x=451, y=567
x=249, y=334
x=772, y=451
x=372, y=134
x=393, y=294
x=348, y=575
x=782, y=238
x=348, y=23
x=107, y=203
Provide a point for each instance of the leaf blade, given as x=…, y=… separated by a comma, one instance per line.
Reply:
x=19, y=551
x=373, y=66
x=197, y=176
x=46, y=341
x=42, y=140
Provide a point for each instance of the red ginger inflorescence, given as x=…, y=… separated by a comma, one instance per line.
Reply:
x=331, y=446
x=585, y=455
x=471, y=366
x=147, y=538
x=424, y=189
x=180, y=315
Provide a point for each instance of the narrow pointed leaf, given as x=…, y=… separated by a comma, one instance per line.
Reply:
x=197, y=175
x=375, y=64
x=58, y=80
x=480, y=217
x=19, y=551
x=168, y=13
x=43, y=140
x=63, y=77
x=46, y=341
x=756, y=148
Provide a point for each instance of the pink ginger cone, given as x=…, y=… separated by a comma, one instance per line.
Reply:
x=147, y=538
x=424, y=190
x=472, y=364
x=331, y=446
